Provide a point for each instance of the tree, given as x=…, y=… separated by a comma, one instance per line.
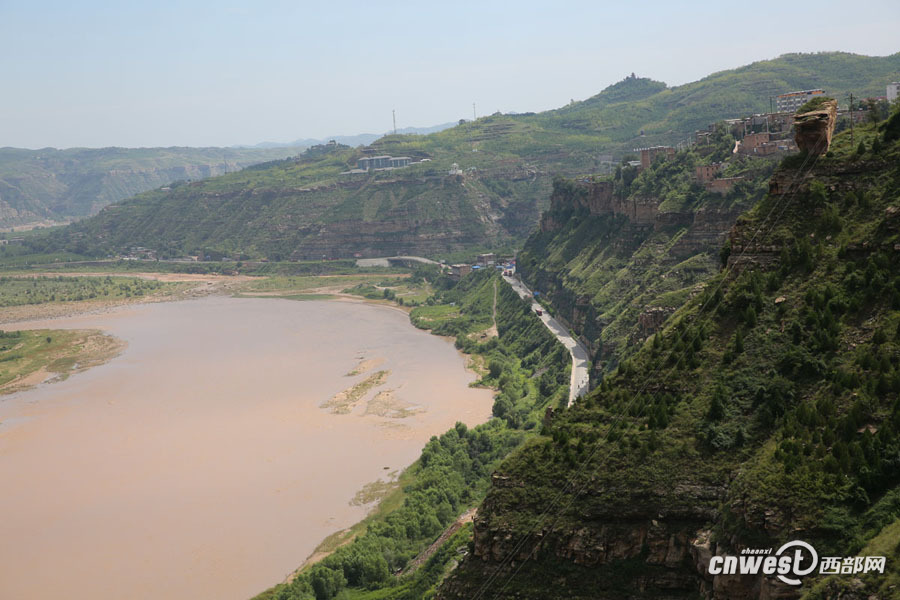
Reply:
x=325, y=582
x=716, y=407
x=495, y=367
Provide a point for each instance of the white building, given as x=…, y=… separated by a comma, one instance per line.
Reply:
x=791, y=101
x=893, y=91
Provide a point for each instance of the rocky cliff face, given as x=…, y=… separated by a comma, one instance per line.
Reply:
x=367, y=217
x=596, y=198
x=813, y=130
x=735, y=428
x=608, y=261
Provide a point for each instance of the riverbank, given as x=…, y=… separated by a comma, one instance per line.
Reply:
x=221, y=475
x=50, y=304
x=30, y=358
x=419, y=523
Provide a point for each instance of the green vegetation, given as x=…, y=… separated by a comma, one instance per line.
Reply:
x=16, y=291
x=51, y=184
x=766, y=409
x=529, y=368
x=29, y=357
x=813, y=104
x=402, y=286
x=601, y=271
x=306, y=208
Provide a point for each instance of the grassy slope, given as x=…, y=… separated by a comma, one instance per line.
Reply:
x=600, y=274
x=272, y=211
x=768, y=401
x=55, y=184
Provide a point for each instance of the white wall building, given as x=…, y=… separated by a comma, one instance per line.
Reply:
x=793, y=100
x=893, y=91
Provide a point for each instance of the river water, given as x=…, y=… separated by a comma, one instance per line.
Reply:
x=199, y=463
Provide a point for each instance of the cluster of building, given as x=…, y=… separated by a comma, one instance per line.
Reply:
x=765, y=143
x=507, y=264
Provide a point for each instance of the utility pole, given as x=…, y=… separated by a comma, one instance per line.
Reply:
x=474, y=116
x=851, y=118
x=394, y=115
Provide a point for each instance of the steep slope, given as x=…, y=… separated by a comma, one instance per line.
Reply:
x=313, y=207
x=765, y=410
x=51, y=184
x=285, y=210
x=616, y=256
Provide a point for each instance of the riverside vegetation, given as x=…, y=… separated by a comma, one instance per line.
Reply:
x=771, y=415
x=529, y=368
x=764, y=409
x=32, y=356
x=16, y=291
x=28, y=358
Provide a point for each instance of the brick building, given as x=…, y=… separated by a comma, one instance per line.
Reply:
x=648, y=155
x=707, y=172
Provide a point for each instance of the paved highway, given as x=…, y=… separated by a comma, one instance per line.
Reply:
x=578, y=385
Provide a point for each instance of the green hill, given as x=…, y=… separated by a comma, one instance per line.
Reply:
x=764, y=409
x=616, y=256
x=306, y=208
x=55, y=185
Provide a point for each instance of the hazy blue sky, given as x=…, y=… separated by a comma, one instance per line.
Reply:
x=97, y=73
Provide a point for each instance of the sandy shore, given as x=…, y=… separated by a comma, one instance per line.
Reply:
x=192, y=286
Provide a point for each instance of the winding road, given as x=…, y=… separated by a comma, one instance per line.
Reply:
x=579, y=382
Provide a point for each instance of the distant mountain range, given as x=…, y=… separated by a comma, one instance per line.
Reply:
x=361, y=139
x=51, y=185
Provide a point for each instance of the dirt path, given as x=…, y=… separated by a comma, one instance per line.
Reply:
x=418, y=561
x=493, y=332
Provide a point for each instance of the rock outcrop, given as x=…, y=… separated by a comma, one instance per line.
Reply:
x=631, y=236
x=813, y=130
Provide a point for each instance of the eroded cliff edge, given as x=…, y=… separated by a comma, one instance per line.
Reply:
x=766, y=409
